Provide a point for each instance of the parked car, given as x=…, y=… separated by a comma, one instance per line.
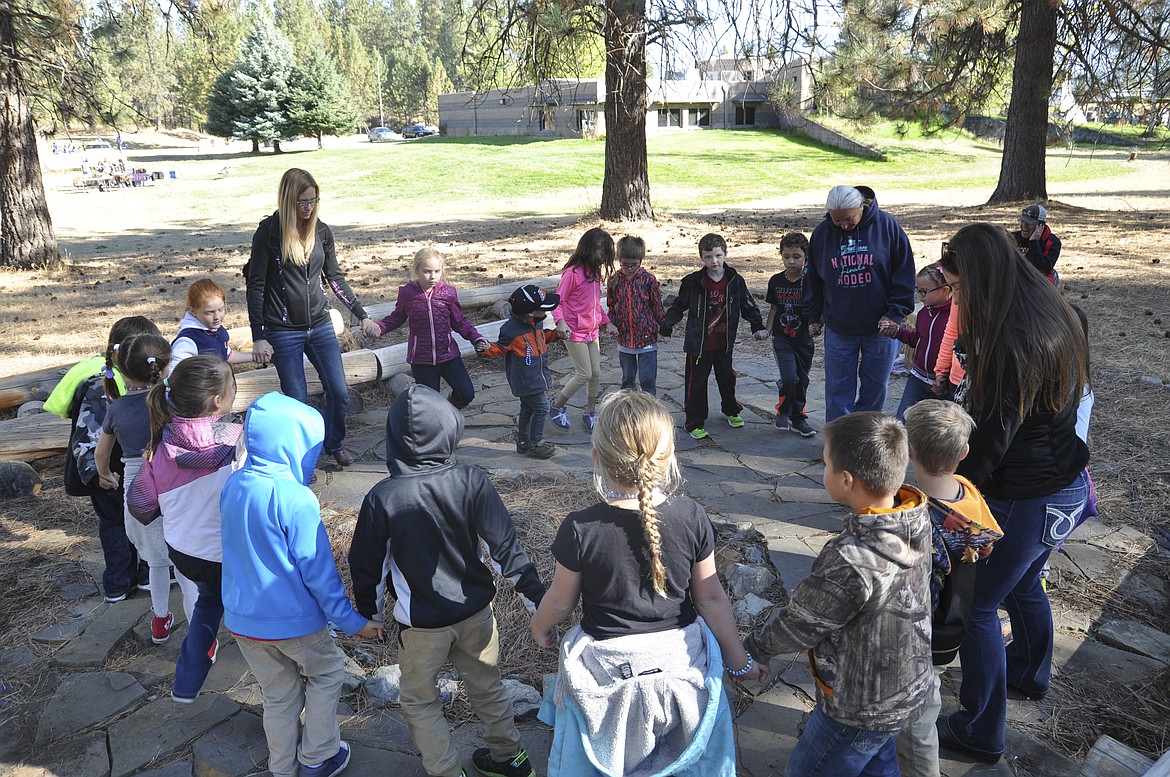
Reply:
x=383, y=133
x=98, y=145
x=418, y=131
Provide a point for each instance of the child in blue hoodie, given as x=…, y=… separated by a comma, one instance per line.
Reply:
x=281, y=588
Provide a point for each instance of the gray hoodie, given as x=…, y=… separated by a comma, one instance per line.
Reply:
x=864, y=611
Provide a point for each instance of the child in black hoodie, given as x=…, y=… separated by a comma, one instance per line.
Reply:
x=419, y=529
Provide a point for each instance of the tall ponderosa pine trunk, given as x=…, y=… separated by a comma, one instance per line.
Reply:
x=26, y=230
x=1021, y=172
x=625, y=191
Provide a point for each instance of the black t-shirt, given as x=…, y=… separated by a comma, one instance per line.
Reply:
x=788, y=297
x=607, y=545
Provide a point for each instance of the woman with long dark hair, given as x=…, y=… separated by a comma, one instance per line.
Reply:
x=1027, y=361
x=293, y=258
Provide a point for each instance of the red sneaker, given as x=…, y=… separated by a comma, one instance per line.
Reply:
x=213, y=653
x=161, y=628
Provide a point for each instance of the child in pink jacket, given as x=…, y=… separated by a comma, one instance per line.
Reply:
x=579, y=320
x=430, y=306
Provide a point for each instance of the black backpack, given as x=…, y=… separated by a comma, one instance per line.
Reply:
x=87, y=410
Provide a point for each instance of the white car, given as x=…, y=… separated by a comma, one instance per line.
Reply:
x=383, y=133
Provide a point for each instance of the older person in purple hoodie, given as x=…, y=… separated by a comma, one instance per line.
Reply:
x=860, y=272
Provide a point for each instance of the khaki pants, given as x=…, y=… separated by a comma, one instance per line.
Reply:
x=295, y=674
x=473, y=647
x=586, y=358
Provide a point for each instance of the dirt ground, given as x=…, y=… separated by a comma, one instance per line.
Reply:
x=1113, y=265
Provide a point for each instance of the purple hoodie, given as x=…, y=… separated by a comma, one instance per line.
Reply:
x=432, y=317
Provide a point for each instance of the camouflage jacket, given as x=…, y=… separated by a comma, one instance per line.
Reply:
x=864, y=611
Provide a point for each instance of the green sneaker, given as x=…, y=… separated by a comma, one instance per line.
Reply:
x=542, y=450
x=735, y=421
x=517, y=767
x=699, y=434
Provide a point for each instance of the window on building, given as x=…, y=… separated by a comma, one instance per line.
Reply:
x=699, y=117
x=745, y=115
x=670, y=117
x=548, y=119
x=586, y=121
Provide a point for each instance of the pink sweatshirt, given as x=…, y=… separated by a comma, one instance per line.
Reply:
x=580, y=306
x=946, y=365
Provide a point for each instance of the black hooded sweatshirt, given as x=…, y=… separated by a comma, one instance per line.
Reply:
x=420, y=528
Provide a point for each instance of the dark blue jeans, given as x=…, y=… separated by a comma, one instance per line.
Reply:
x=454, y=372
x=831, y=749
x=1011, y=575
x=917, y=390
x=533, y=414
x=850, y=359
x=289, y=346
x=194, y=662
x=121, y=573
x=642, y=366
x=794, y=360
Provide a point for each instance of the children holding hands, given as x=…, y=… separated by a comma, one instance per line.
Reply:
x=713, y=300
x=864, y=610
x=430, y=307
x=202, y=330
x=926, y=338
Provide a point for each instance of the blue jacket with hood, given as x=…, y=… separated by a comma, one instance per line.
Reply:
x=854, y=278
x=419, y=529
x=279, y=579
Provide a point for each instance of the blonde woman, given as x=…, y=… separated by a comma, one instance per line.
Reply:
x=293, y=257
x=644, y=668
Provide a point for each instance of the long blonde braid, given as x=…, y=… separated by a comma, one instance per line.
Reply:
x=634, y=441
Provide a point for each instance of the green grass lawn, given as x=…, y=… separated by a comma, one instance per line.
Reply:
x=507, y=176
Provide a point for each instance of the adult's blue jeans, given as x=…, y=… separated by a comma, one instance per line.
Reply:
x=830, y=748
x=289, y=346
x=641, y=366
x=1011, y=575
x=454, y=372
x=194, y=662
x=849, y=360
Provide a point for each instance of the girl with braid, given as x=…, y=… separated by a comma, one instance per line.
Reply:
x=142, y=360
x=639, y=689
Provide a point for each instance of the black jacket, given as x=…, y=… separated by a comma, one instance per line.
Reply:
x=285, y=296
x=1041, y=250
x=692, y=299
x=419, y=529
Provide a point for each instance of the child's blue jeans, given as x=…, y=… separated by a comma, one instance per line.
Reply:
x=454, y=372
x=641, y=366
x=533, y=414
x=828, y=747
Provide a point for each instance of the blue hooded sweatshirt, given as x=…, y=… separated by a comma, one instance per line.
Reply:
x=854, y=278
x=279, y=579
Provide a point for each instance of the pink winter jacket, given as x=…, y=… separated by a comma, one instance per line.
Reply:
x=432, y=318
x=580, y=306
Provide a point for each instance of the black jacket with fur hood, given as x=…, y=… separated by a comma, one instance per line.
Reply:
x=420, y=528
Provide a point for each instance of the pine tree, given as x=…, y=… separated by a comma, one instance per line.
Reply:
x=319, y=102
x=250, y=101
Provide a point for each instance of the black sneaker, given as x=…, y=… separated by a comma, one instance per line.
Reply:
x=802, y=427
x=542, y=450
x=143, y=576
x=517, y=767
x=522, y=447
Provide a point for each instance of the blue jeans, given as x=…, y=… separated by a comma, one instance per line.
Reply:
x=533, y=414
x=643, y=366
x=1011, y=575
x=917, y=390
x=121, y=573
x=848, y=359
x=320, y=345
x=793, y=360
x=831, y=749
x=194, y=662
x=454, y=372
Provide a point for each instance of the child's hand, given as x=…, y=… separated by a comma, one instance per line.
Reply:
x=663, y=339
x=760, y=334
x=939, y=386
x=547, y=638
x=109, y=482
x=481, y=345
x=759, y=673
x=370, y=328
x=888, y=328
x=815, y=329
x=372, y=630
x=610, y=329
